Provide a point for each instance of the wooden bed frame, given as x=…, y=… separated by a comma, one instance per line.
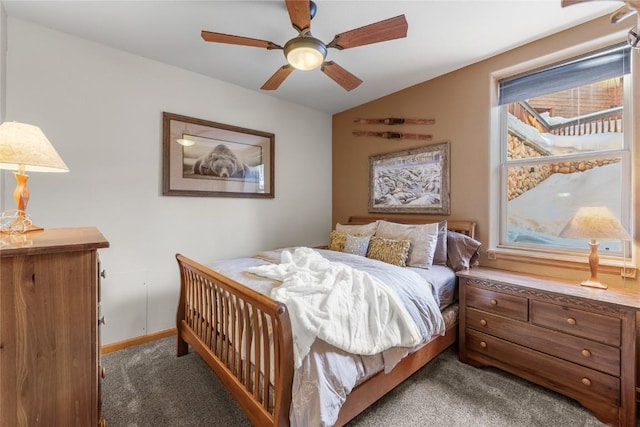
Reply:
x=223, y=320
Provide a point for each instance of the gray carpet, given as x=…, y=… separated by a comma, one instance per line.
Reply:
x=148, y=385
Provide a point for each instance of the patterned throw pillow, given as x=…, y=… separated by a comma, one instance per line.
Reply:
x=337, y=241
x=356, y=245
x=388, y=250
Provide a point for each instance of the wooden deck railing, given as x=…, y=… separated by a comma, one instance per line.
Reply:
x=609, y=120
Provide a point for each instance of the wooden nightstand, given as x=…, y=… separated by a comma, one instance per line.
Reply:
x=578, y=341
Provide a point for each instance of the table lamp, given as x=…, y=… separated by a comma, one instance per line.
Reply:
x=594, y=223
x=24, y=148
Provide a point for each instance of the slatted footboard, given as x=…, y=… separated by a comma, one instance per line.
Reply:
x=243, y=336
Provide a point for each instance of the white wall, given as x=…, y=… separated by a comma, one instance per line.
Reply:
x=3, y=88
x=102, y=110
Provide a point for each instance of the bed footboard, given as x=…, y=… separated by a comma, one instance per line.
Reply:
x=244, y=336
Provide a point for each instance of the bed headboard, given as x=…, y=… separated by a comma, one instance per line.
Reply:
x=461, y=226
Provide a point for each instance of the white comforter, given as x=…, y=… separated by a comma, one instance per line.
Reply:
x=343, y=306
x=328, y=374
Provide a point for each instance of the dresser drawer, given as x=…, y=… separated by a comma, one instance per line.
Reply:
x=497, y=302
x=577, y=322
x=574, y=349
x=573, y=380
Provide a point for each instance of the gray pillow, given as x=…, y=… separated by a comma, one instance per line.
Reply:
x=462, y=251
x=356, y=245
x=423, y=238
x=440, y=255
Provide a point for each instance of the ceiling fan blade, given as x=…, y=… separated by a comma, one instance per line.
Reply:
x=242, y=41
x=621, y=14
x=299, y=14
x=389, y=29
x=278, y=77
x=341, y=76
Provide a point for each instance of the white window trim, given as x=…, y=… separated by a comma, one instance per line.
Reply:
x=625, y=265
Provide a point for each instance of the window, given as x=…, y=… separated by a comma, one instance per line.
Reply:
x=563, y=147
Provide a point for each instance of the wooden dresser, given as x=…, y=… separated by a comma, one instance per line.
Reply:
x=578, y=341
x=49, y=334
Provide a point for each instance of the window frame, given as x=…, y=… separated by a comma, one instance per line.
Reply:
x=561, y=256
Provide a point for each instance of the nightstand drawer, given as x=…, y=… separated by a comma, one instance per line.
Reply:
x=571, y=379
x=577, y=322
x=511, y=306
x=587, y=353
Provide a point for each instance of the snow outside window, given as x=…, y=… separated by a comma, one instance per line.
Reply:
x=564, y=147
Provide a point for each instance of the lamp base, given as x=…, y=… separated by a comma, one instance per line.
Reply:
x=593, y=284
x=28, y=229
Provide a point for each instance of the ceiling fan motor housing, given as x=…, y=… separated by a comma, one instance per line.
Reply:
x=305, y=52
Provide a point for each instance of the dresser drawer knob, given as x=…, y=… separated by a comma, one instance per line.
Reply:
x=494, y=302
x=586, y=353
x=103, y=274
x=483, y=322
x=101, y=321
x=586, y=381
x=483, y=344
x=571, y=321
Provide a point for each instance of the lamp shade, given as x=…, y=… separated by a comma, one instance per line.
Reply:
x=23, y=145
x=594, y=222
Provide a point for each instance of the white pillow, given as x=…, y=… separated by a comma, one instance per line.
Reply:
x=423, y=238
x=358, y=230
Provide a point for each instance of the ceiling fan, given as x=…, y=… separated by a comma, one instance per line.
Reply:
x=630, y=8
x=305, y=52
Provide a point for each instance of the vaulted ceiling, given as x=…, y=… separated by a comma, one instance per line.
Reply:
x=442, y=36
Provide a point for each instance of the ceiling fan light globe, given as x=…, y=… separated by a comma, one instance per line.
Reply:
x=305, y=53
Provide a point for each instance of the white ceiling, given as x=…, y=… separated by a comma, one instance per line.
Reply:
x=443, y=36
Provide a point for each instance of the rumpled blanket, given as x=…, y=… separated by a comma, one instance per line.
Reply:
x=343, y=306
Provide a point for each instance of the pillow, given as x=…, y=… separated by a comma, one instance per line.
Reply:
x=423, y=238
x=388, y=250
x=356, y=245
x=358, y=230
x=440, y=255
x=337, y=241
x=462, y=251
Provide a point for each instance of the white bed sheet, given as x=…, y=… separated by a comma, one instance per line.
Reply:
x=319, y=388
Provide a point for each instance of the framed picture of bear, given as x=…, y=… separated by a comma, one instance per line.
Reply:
x=204, y=158
x=410, y=181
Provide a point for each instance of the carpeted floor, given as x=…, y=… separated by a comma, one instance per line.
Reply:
x=148, y=385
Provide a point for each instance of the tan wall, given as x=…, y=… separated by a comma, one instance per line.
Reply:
x=461, y=103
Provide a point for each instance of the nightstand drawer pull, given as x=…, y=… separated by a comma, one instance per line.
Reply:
x=571, y=321
x=483, y=344
x=586, y=353
x=586, y=381
x=483, y=322
x=494, y=302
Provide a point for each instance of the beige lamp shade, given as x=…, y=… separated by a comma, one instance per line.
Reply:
x=594, y=222
x=25, y=145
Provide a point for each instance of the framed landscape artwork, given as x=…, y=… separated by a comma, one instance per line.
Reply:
x=410, y=181
x=203, y=158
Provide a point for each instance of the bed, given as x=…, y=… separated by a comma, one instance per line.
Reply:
x=246, y=337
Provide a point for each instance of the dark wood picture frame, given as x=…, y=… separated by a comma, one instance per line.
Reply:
x=208, y=159
x=411, y=181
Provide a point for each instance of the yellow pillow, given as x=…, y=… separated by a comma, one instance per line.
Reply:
x=388, y=250
x=337, y=241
